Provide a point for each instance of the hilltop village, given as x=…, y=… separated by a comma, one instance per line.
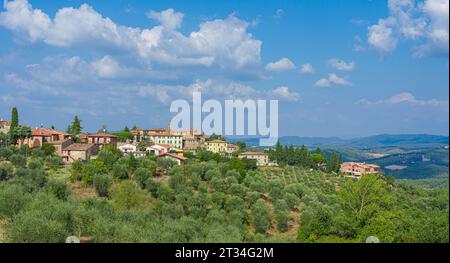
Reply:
x=177, y=145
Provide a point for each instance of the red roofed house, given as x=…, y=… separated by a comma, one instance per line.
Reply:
x=177, y=158
x=262, y=159
x=355, y=169
x=41, y=135
x=102, y=139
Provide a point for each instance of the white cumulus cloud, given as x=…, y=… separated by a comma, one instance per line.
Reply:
x=307, y=69
x=341, y=65
x=332, y=79
x=280, y=65
x=107, y=67
x=426, y=23
x=284, y=93
x=404, y=98
x=224, y=43
x=167, y=18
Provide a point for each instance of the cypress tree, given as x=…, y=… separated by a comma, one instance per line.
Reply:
x=14, y=125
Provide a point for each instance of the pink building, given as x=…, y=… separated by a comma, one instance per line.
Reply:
x=158, y=149
x=102, y=139
x=39, y=136
x=358, y=169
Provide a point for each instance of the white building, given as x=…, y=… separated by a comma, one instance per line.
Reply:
x=262, y=159
x=127, y=148
x=158, y=149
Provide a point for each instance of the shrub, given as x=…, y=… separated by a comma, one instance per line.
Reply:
x=261, y=216
x=120, y=171
x=54, y=162
x=92, y=168
x=234, y=203
x=165, y=163
x=142, y=175
x=5, y=153
x=36, y=163
x=281, y=215
x=59, y=189
x=127, y=195
x=18, y=160
x=6, y=171
x=48, y=149
x=152, y=186
x=12, y=199
x=76, y=171
x=177, y=181
x=102, y=183
x=44, y=220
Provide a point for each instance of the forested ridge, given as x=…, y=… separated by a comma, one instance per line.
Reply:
x=210, y=199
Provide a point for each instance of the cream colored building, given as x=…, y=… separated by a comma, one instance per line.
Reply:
x=216, y=146
x=262, y=159
x=232, y=148
x=4, y=126
x=173, y=140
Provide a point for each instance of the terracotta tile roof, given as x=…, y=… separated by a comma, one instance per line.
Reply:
x=46, y=132
x=79, y=147
x=60, y=132
x=102, y=135
x=181, y=158
x=42, y=132
x=362, y=165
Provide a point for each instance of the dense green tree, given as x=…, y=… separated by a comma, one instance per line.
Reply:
x=58, y=188
x=102, y=183
x=142, y=175
x=92, y=168
x=261, y=216
x=12, y=199
x=14, y=125
x=48, y=149
x=18, y=160
x=75, y=127
x=6, y=171
x=120, y=171
x=126, y=195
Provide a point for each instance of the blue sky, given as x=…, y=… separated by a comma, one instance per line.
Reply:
x=339, y=68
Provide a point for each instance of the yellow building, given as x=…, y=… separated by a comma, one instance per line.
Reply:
x=217, y=146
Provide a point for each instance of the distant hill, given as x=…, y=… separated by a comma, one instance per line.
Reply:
x=364, y=142
x=399, y=140
x=411, y=156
